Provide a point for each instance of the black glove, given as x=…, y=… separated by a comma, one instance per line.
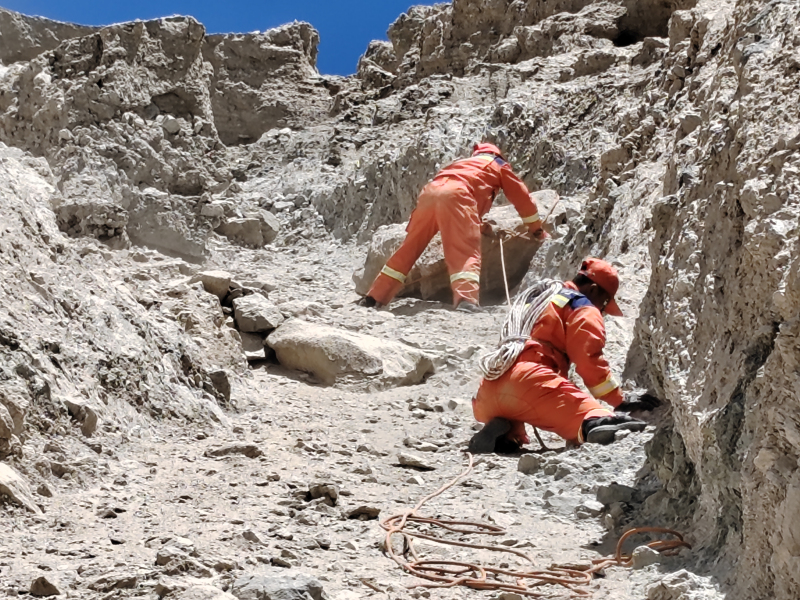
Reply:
x=638, y=401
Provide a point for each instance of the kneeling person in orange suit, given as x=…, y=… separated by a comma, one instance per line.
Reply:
x=454, y=203
x=536, y=390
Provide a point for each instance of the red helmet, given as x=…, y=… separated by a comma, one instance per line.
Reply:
x=606, y=276
x=486, y=149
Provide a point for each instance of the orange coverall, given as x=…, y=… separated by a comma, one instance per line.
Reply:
x=454, y=203
x=536, y=389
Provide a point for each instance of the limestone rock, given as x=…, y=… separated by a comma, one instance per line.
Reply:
x=614, y=492
x=529, y=464
x=15, y=487
x=256, y=314
x=338, y=356
x=298, y=586
x=214, y=282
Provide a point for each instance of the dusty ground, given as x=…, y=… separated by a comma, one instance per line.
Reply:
x=132, y=497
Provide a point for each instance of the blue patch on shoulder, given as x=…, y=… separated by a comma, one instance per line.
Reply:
x=576, y=299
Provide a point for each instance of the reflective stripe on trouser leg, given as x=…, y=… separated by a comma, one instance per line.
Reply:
x=389, y=272
x=532, y=219
x=465, y=275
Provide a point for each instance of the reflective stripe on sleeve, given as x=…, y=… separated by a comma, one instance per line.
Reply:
x=532, y=219
x=608, y=386
x=465, y=275
x=389, y=272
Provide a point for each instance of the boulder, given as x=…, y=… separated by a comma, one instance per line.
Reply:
x=298, y=586
x=256, y=314
x=337, y=356
x=429, y=279
x=15, y=487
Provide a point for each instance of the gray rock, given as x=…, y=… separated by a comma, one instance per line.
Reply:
x=243, y=449
x=335, y=355
x=529, y=464
x=214, y=282
x=589, y=508
x=15, y=487
x=85, y=414
x=256, y=314
x=298, y=586
x=41, y=586
x=253, y=345
x=203, y=592
x=412, y=460
x=614, y=492
x=329, y=491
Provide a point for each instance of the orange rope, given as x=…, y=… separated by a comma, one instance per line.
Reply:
x=450, y=573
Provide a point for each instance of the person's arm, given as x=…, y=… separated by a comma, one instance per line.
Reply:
x=586, y=338
x=518, y=194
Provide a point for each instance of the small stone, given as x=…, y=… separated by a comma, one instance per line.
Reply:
x=644, y=556
x=169, y=553
x=426, y=447
x=248, y=450
x=329, y=491
x=415, y=480
x=509, y=596
x=410, y=460
x=171, y=125
x=41, y=586
x=591, y=507
x=351, y=545
x=256, y=314
x=364, y=513
x=44, y=490
x=251, y=536
x=529, y=464
x=278, y=561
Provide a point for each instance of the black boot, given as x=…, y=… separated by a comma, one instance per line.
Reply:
x=484, y=441
x=368, y=302
x=603, y=430
x=469, y=307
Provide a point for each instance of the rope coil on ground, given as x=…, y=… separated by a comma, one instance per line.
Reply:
x=450, y=573
x=528, y=306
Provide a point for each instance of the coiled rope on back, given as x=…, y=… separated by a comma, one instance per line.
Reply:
x=528, y=306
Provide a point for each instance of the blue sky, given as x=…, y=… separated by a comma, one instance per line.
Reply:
x=345, y=26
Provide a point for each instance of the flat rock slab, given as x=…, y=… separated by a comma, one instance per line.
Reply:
x=256, y=314
x=248, y=450
x=289, y=587
x=338, y=356
x=15, y=487
x=429, y=279
x=214, y=282
x=203, y=592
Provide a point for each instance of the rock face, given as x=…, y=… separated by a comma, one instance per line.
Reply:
x=336, y=356
x=24, y=38
x=430, y=280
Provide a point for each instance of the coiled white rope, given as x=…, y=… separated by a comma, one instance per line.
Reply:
x=528, y=306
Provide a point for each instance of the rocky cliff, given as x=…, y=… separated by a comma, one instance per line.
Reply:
x=137, y=155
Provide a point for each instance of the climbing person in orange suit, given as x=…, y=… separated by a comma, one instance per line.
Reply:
x=536, y=389
x=453, y=204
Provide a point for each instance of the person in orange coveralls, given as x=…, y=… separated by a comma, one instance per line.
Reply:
x=536, y=389
x=453, y=203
